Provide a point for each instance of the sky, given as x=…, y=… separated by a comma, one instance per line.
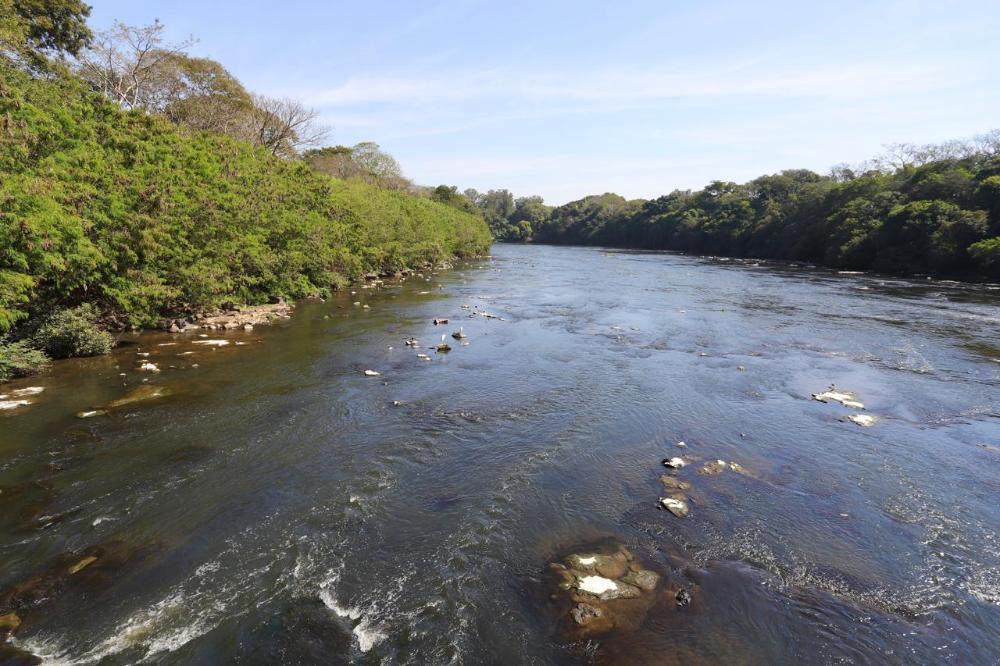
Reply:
x=564, y=99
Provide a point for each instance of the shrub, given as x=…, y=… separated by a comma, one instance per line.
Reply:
x=20, y=359
x=73, y=333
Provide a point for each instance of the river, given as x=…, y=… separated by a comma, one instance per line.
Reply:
x=279, y=506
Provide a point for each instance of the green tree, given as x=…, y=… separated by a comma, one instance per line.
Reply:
x=54, y=27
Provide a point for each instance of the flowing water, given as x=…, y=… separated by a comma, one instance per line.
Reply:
x=285, y=508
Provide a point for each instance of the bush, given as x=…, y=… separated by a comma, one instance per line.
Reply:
x=20, y=359
x=73, y=333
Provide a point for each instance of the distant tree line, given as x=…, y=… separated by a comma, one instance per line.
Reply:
x=916, y=209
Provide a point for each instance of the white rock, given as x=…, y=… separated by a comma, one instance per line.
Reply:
x=846, y=398
x=149, y=367
x=675, y=506
x=13, y=404
x=596, y=585
x=371, y=373
x=675, y=463
x=863, y=420
x=28, y=390
x=212, y=342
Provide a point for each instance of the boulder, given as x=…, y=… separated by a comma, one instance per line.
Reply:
x=676, y=506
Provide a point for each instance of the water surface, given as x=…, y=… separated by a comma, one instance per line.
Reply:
x=289, y=509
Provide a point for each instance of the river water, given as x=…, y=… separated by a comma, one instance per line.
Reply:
x=279, y=506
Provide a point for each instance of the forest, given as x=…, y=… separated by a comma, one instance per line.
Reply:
x=137, y=182
x=916, y=210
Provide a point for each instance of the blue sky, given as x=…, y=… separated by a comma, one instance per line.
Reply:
x=565, y=99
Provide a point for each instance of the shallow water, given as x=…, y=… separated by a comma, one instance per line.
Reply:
x=290, y=512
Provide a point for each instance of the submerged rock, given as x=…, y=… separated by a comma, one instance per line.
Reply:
x=140, y=394
x=90, y=413
x=212, y=342
x=673, y=483
x=713, y=468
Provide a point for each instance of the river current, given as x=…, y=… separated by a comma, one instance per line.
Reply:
x=273, y=504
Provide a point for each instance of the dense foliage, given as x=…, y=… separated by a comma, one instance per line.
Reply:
x=122, y=214
x=940, y=215
x=72, y=332
x=20, y=359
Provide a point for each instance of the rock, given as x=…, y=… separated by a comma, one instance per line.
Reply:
x=212, y=342
x=675, y=506
x=584, y=614
x=713, y=468
x=459, y=334
x=443, y=348
x=12, y=656
x=683, y=597
x=673, y=483
x=247, y=327
x=643, y=579
x=674, y=463
x=149, y=367
x=846, y=398
x=140, y=393
x=863, y=420
x=9, y=622
x=440, y=321
x=606, y=589
x=13, y=404
x=372, y=373
x=412, y=342
x=81, y=565
x=681, y=445
x=29, y=390
x=90, y=413
x=174, y=328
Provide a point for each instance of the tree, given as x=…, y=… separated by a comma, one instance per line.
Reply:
x=202, y=94
x=335, y=160
x=450, y=196
x=284, y=125
x=378, y=167
x=53, y=26
x=130, y=65
x=364, y=160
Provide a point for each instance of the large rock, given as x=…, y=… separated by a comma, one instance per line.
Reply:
x=602, y=589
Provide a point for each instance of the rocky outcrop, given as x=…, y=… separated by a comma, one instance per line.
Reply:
x=232, y=318
x=602, y=589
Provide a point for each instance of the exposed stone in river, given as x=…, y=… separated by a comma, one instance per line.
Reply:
x=846, y=398
x=602, y=589
x=863, y=420
x=675, y=505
